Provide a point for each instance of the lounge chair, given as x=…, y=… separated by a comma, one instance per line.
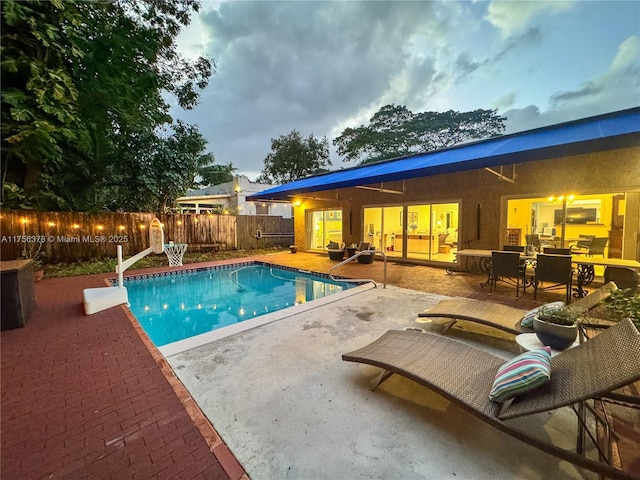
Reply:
x=464, y=375
x=336, y=251
x=503, y=317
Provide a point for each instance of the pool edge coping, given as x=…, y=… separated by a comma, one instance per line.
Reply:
x=216, y=444
x=181, y=346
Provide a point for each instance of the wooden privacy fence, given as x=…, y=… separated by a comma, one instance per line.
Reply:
x=270, y=230
x=68, y=236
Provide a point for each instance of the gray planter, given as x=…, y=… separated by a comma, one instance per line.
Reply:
x=558, y=337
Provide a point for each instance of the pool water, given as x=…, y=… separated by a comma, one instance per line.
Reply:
x=176, y=305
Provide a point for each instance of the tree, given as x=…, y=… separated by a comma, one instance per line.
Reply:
x=160, y=168
x=216, y=174
x=394, y=131
x=293, y=157
x=80, y=81
x=39, y=96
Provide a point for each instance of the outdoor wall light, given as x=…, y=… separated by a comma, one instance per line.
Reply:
x=24, y=221
x=561, y=198
x=75, y=226
x=179, y=222
x=100, y=227
x=51, y=224
x=121, y=227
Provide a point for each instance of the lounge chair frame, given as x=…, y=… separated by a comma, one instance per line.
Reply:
x=463, y=374
x=503, y=317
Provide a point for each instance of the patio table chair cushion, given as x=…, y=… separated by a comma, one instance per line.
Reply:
x=527, y=320
x=521, y=374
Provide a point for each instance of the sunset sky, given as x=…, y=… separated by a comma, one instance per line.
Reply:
x=320, y=67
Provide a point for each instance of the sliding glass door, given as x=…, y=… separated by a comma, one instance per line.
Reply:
x=323, y=226
x=417, y=231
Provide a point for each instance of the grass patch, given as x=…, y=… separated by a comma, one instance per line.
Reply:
x=108, y=265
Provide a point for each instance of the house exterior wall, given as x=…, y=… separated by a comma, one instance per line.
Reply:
x=232, y=196
x=482, y=193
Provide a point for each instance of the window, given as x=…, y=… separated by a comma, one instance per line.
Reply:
x=325, y=226
x=561, y=220
x=262, y=209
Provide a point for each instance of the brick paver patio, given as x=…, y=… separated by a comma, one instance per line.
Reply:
x=90, y=397
x=82, y=397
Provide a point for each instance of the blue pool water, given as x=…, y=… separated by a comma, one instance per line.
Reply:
x=176, y=305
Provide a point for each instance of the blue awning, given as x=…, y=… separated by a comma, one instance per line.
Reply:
x=604, y=132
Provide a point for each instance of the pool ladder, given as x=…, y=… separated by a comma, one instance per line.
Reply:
x=362, y=280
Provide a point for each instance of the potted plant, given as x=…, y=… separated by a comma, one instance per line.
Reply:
x=38, y=270
x=293, y=248
x=557, y=327
x=33, y=251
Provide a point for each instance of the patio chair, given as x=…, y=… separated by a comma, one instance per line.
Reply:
x=625, y=278
x=581, y=246
x=464, y=375
x=533, y=240
x=513, y=248
x=556, y=269
x=336, y=251
x=366, y=259
x=598, y=244
x=556, y=251
x=503, y=317
x=506, y=267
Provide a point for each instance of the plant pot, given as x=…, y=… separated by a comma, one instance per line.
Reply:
x=293, y=248
x=37, y=275
x=558, y=337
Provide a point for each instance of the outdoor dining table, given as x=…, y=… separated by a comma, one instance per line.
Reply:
x=481, y=261
x=586, y=272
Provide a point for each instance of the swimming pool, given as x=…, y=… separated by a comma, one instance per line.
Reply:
x=177, y=305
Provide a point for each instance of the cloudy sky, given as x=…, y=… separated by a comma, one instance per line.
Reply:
x=320, y=67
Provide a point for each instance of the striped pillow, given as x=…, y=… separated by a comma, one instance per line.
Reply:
x=523, y=373
x=527, y=320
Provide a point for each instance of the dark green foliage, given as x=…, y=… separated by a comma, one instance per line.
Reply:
x=394, y=131
x=562, y=316
x=293, y=157
x=622, y=306
x=82, y=85
x=216, y=174
x=160, y=168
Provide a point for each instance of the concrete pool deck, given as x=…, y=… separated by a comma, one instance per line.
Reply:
x=288, y=407
x=83, y=397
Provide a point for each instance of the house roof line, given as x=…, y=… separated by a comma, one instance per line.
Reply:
x=603, y=132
